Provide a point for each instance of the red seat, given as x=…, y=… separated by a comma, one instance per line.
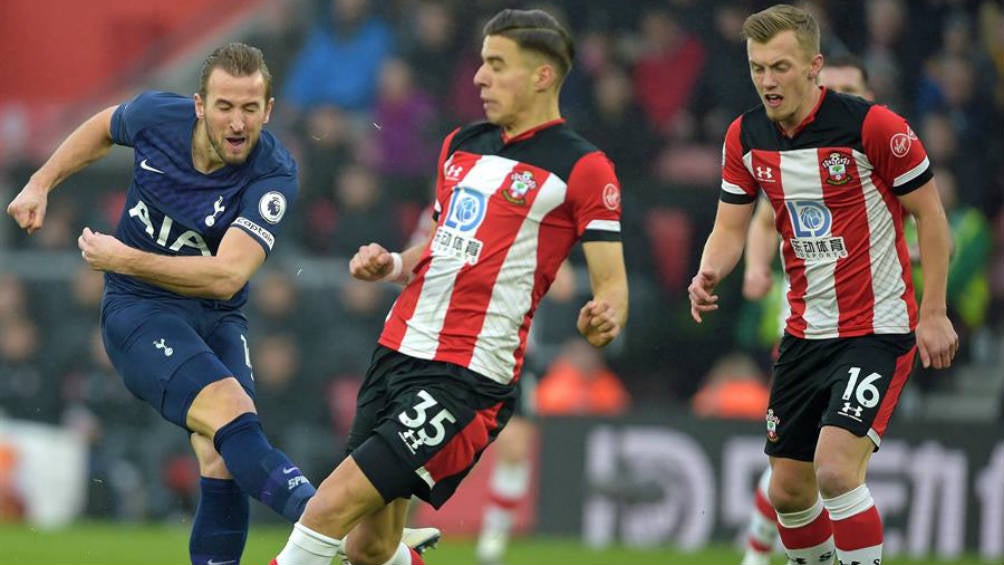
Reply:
x=670, y=232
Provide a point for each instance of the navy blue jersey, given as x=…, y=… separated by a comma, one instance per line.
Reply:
x=173, y=209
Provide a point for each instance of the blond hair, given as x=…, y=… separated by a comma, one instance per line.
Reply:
x=764, y=25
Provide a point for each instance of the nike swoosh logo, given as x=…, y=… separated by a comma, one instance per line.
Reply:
x=288, y=470
x=211, y=562
x=146, y=167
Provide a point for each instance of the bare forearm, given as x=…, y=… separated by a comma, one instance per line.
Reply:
x=935, y=241
x=722, y=251
x=88, y=143
x=411, y=256
x=761, y=247
x=198, y=277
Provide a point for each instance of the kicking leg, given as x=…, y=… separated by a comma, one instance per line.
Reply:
x=224, y=412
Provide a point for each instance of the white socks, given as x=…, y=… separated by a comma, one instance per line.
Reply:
x=307, y=547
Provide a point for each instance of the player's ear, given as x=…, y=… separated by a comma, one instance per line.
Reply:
x=268, y=110
x=545, y=77
x=200, y=106
x=815, y=65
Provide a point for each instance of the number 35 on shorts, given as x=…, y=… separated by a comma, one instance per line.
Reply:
x=426, y=422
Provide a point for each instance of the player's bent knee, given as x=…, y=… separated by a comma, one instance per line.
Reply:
x=835, y=479
x=791, y=500
x=791, y=492
x=218, y=404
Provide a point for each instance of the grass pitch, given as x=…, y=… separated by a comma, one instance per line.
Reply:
x=120, y=544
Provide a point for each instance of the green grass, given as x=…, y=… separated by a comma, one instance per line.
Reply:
x=113, y=544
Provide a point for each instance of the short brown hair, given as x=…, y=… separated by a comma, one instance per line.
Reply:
x=764, y=25
x=239, y=60
x=848, y=60
x=537, y=31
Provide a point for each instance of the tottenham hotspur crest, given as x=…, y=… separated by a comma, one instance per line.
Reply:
x=835, y=166
x=520, y=182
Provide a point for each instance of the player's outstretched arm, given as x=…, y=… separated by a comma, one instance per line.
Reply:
x=88, y=143
x=721, y=253
x=601, y=319
x=761, y=247
x=374, y=263
x=216, y=277
x=937, y=341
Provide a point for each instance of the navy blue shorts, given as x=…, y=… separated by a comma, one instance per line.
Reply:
x=168, y=350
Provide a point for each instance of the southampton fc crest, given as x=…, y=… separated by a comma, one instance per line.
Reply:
x=520, y=183
x=772, y=422
x=835, y=167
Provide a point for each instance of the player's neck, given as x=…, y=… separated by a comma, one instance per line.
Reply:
x=534, y=117
x=791, y=127
x=204, y=158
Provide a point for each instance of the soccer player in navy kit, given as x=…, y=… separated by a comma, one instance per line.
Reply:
x=209, y=194
x=840, y=174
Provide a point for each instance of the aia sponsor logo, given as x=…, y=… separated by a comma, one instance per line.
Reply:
x=835, y=168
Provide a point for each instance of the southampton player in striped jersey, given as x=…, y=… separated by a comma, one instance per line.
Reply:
x=845, y=74
x=840, y=174
x=513, y=195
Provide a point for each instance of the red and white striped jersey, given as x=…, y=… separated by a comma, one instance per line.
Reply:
x=507, y=214
x=834, y=188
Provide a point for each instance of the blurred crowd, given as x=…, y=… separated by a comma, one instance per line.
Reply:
x=366, y=90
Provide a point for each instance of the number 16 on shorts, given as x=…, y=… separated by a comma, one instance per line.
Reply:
x=423, y=429
x=863, y=392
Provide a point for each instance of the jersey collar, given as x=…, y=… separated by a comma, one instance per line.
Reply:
x=808, y=119
x=530, y=132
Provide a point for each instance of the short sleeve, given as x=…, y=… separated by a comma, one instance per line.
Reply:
x=595, y=195
x=444, y=153
x=264, y=206
x=738, y=185
x=895, y=151
x=133, y=116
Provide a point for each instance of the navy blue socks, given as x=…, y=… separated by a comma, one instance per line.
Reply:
x=220, y=527
x=261, y=470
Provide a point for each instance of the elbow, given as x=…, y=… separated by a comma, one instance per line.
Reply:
x=226, y=287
